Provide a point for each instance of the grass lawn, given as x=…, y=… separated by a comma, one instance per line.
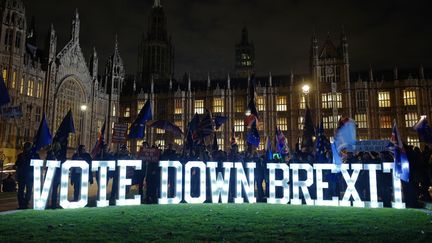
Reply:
x=207, y=222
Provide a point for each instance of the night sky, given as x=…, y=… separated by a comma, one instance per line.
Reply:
x=380, y=33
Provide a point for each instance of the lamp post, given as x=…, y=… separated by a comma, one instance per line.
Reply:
x=83, y=110
x=306, y=90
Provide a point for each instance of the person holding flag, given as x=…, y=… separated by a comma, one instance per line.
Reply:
x=253, y=137
x=321, y=145
x=59, y=152
x=24, y=170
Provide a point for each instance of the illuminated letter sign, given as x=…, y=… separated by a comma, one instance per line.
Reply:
x=299, y=182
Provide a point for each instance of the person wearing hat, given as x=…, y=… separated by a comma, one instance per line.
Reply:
x=25, y=175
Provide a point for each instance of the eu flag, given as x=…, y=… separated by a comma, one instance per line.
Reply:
x=66, y=127
x=62, y=134
x=424, y=130
x=253, y=135
x=321, y=145
x=43, y=136
x=219, y=121
x=4, y=94
x=401, y=164
x=281, y=143
x=137, y=128
x=268, y=150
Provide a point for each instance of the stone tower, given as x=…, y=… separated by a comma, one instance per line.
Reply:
x=156, y=52
x=244, y=56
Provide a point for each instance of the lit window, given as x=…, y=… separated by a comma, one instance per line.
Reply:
x=30, y=87
x=361, y=99
x=13, y=80
x=239, y=105
x=331, y=122
x=22, y=86
x=139, y=144
x=160, y=131
x=178, y=141
x=178, y=107
x=384, y=99
x=409, y=97
x=361, y=120
x=302, y=101
x=238, y=125
x=281, y=103
x=39, y=90
x=413, y=141
x=140, y=106
x=199, y=106
x=385, y=122
x=241, y=145
x=300, y=123
x=260, y=103
x=261, y=125
x=282, y=123
x=220, y=142
x=362, y=138
x=114, y=110
x=127, y=112
x=411, y=119
x=331, y=100
x=218, y=106
x=160, y=143
x=4, y=74
x=261, y=146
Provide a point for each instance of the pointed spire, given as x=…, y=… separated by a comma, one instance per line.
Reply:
x=371, y=77
x=189, y=82
x=208, y=81
x=75, y=26
x=395, y=73
x=229, y=82
x=292, y=77
x=134, y=85
x=116, y=43
x=343, y=35
x=152, y=85
x=421, y=72
x=170, y=84
x=157, y=4
x=270, y=80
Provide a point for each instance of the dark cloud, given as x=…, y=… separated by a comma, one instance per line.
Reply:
x=381, y=33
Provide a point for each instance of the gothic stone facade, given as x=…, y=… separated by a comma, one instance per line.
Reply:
x=51, y=81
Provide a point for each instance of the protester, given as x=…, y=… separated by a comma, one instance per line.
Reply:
x=25, y=175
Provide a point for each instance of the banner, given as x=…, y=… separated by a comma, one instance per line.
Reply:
x=119, y=133
x=370, y=146
x=11, y=112
x=150, y=155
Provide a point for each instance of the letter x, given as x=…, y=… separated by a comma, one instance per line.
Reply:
x=351, y=181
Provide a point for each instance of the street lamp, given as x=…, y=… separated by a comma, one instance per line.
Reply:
x=83, y=109
x=306, y=89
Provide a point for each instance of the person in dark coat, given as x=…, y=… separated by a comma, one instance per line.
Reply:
x=54, y=154
x=81, y=154
x=25, y=175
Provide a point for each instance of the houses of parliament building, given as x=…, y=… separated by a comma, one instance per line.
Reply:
x=53, y=80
